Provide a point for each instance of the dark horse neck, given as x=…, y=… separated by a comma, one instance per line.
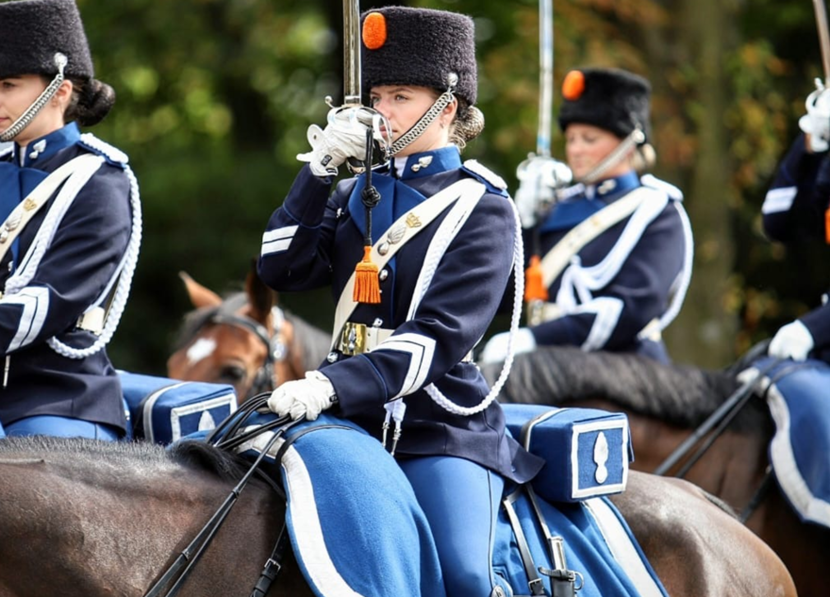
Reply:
x=125, y=511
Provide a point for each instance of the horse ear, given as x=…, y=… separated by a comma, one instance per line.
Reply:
x=199, y=295
x=261, y=298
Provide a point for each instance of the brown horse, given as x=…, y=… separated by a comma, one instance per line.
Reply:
x=245, y=340
x=88, y=519
x=665, y=405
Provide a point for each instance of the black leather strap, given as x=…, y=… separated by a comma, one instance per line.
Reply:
x=272, y=566
x=534, y=582
x=562, y=580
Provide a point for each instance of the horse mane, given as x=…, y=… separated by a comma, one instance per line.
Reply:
x=202, y=456
x=680, y=395
x=192, y=454
x=80, y=449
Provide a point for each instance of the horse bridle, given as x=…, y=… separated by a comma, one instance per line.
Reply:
x=276, y=349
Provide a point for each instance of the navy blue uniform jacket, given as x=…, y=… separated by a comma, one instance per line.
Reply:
x=614, y=289
x=86, y=249
x=315, y=239
x=793, y=212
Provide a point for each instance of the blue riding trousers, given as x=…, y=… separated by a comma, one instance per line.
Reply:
x=62, y=427
x=461, y=501
x=2, y=431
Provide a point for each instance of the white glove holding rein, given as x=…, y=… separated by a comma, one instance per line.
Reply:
x=304, y=397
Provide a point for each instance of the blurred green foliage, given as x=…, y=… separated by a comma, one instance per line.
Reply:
x=214, y=98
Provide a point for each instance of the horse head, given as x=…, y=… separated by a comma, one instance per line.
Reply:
x=244, y=340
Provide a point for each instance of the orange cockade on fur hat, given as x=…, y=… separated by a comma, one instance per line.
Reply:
x=573, y=85
x=374, y=30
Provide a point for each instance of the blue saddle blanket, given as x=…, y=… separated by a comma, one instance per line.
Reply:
x=798, y=395
x=357, y=530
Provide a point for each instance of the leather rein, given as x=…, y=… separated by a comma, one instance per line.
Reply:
x=228, y=435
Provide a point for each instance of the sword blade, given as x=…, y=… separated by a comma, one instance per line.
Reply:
x=823, y=37
x=351, y=53
x=545, y=77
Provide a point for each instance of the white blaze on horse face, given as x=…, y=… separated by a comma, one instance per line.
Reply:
x=201, y=349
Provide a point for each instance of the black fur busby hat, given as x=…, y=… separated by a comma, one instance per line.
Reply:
x=419, y=46
x=612, y=99
x=32, y=31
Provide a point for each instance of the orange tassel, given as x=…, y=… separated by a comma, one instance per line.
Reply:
x=366, y=284
x=534, y=287
x=827, y=226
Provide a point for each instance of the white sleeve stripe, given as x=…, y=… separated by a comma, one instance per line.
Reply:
x=421, y=351
x=275, y=246
x=779, y=200
x=279, y=233
x=35, y=303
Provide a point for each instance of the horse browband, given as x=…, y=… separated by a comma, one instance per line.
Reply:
x=264, y=378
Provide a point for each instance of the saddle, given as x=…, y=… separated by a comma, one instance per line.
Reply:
x=356, y=528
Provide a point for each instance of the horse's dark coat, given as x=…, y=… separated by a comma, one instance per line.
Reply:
x=194, y=455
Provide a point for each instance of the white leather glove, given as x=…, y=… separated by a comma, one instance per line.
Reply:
x=304, y=397
x=344, y=137
x=495, y=351
x=816, y=122
x=793, y=341
x=539, y=177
